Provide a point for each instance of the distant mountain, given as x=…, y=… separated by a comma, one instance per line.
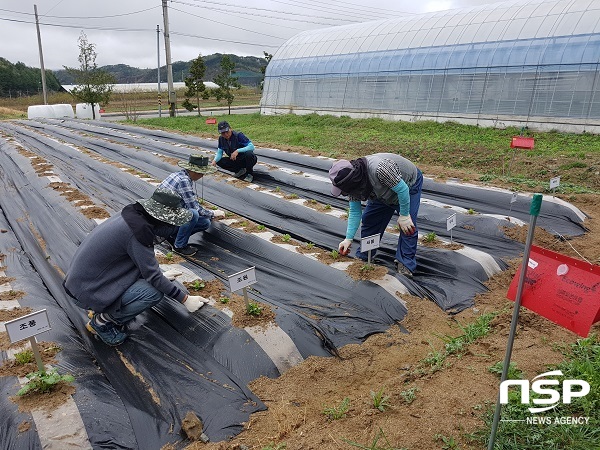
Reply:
x=247, y=69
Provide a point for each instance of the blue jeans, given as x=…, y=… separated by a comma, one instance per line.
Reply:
x=140, y=296
x=197, y=224
x=377, y=216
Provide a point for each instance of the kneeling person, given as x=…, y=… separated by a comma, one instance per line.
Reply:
x=182, y=182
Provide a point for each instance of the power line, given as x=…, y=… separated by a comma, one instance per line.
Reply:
x=79, y=26
x=229, y=25
x=140, y=30
x=264, y=15
x=326, y=9
x=259, y=9
x=223, y=40
x=358, y=9
x=86, y=17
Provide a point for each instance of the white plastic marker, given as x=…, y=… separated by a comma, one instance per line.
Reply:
x=28, y=327
x=242, y=280
x=369, y=243
x=513, y=199
x=451, y=223
x=554, y=183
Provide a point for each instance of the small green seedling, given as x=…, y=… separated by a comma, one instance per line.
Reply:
x=335, y=254
x=380, y=400
x=198, y=284
x=224, y=300
x=24, y=357
x=430, y=237
x=169, y=255
x=260, y=227
x=272, y=446
x=286, y=238
x=277, y=189
x=374, y=445
x=292, y=196
x=449, y=442
x=43, y=381
x=228, y=214
x=367, y=267
x=337, y=412
x=471, y=211
x=254, y=309
x=513, y=373
x=327, y=207
x=243, y=224
x=309, y=245
x=409, y=395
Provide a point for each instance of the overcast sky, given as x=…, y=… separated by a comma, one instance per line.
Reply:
x=124, y=31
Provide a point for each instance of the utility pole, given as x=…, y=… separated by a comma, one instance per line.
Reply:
x=158, y=70
x=168, y=56
x=39, y=36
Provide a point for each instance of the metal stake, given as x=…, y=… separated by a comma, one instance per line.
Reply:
x=534, y=211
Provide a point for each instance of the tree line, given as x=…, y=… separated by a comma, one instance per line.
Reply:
x=94, y=85
x=19, y=80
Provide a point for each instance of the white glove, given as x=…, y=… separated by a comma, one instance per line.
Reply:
x=406, y=225
x=171, y=274
x=218, y=214
x=194, y=302
x=344, y=247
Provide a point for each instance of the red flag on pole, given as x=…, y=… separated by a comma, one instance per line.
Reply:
x=562, y=289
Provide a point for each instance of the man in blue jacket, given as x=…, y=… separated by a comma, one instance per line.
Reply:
x=235, y=153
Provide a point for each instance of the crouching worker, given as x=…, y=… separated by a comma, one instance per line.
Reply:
x=182, y=183
x=235, y=153
x=388, y=183
x=114, y=272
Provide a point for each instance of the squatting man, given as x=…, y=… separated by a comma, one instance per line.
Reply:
x=114, y=273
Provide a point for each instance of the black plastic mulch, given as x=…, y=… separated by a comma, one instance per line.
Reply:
x=200, y=362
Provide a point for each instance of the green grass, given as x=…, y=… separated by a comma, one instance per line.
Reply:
x=582, y=361
x=473, y=149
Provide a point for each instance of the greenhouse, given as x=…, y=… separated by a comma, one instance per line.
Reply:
x=527, y=62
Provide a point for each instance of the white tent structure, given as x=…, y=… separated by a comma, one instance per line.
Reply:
x=520, y=62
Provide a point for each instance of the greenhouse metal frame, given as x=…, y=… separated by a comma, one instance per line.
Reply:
x=528, y=62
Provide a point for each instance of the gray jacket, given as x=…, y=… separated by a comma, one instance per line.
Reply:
x=108, y=261
x=383, y=178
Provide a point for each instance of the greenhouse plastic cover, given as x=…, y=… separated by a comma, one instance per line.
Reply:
x=200, y=362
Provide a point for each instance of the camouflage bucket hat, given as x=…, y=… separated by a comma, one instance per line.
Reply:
x=198, y=164
x=165, y=205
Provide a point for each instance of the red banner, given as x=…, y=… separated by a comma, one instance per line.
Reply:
x=562, y=289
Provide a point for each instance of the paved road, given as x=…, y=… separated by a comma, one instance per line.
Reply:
x=115, y=117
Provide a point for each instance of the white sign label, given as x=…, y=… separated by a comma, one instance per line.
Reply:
x=532, y=263
x=514, y=197
x=242, y=279
x=369, y=243
x=554, y=182
x=27, y=326
x=451, y=222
